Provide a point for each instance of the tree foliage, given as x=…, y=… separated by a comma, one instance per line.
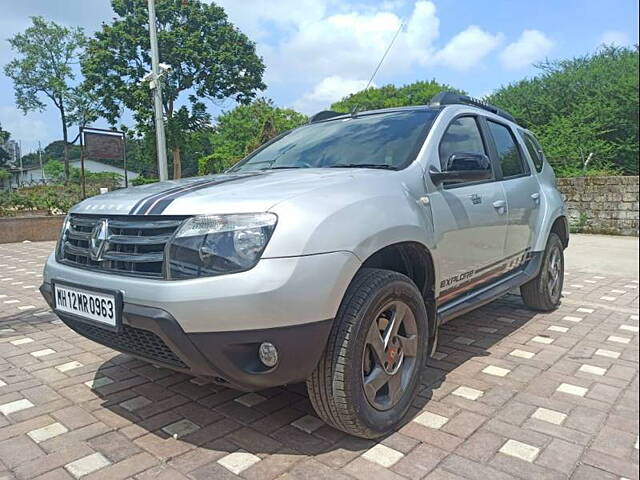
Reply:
x=582, y=106
x=209, y=58
x=418, y=93
x=243, y=129
x=43, y=71
x=54, y=170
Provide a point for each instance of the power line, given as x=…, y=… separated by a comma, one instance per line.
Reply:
x=385, y=54
x=354, y=111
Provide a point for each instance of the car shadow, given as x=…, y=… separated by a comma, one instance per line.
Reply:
x=168, y=413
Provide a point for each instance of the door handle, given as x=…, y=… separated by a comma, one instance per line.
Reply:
x=500, y=206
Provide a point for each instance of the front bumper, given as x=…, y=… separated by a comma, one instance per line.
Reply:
x=213, y=326
x=227, y=358
x=277, y=292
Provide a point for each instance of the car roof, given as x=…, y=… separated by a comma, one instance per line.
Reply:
x=330, y=115
x=439, y=101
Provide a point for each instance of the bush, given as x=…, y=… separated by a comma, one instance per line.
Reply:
x=54, y=199
x=581, y=106
x=573, y=171
x=54, y=170
x=110, y=180
x=142, y=180
x=387, y=96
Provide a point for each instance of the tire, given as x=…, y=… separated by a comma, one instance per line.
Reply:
x=376, y=304
x=538, y=294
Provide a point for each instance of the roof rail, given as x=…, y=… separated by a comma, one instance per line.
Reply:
x=324, y=115
x=449, y=98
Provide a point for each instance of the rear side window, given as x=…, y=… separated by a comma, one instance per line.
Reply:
x=508, y=153
x=533, y=147
x=462, y=135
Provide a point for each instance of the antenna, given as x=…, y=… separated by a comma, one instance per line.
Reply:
x=386, y=52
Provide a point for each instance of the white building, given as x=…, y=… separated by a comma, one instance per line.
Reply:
x=12, y=147
x=33, y=175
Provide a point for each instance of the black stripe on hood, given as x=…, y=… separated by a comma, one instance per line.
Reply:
x=157, y=204
x=139, y=208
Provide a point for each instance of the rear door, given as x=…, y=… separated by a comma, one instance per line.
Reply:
x=469, y=218
x=521, y=188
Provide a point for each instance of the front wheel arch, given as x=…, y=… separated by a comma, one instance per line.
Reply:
x=415, y=261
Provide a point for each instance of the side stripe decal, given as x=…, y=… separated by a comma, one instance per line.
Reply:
x=483, y=274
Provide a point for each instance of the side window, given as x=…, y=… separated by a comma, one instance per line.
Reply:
x=462, y=135
x=507, y=148
x=533, y=147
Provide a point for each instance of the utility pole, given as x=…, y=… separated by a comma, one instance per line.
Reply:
x=40, y=158
x=20, y=178
x=157, y=95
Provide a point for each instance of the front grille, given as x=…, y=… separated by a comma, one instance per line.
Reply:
x=132, y=340
x=132, y=245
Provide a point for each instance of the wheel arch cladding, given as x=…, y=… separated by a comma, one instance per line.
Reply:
x=560, y=227
x=416, y=262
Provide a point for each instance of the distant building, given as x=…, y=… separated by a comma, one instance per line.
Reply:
x=12, y=148
x=33, y=175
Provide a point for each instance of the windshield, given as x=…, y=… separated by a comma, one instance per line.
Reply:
x=385, y=140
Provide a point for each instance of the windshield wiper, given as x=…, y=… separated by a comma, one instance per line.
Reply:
x=381, y=166
x=281, y=167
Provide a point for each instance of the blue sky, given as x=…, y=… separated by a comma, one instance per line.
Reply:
x=317, y=51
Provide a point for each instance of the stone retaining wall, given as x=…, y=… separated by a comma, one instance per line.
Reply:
x=18, y=229
x=606, y=205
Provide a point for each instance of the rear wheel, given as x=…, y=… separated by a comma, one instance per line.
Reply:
x=544, y=291
x=368, y=375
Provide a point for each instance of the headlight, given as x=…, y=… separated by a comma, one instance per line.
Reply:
x=210, y=245
x=62, y=237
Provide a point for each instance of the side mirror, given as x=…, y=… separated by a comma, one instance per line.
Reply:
x=463, y=167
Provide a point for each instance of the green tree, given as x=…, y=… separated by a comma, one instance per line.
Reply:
x=243, y=129
x=55, y=151
x=54, y=169
x=43, y=70
x=209, y=56
x=418, y=93
x=581, y=108
x=4, y=176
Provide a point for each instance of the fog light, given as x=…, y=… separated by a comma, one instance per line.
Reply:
x=268, y=354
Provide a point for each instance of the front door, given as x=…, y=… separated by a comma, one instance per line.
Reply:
x=470, y=219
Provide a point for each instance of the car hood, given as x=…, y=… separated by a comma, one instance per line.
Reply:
x=224, y=193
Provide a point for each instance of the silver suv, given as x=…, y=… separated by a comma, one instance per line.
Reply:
x=332, y=254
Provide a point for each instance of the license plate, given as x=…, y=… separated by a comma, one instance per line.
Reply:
x=97, y=307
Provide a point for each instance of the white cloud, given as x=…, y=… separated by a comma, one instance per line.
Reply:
x=255, y=17
x=326, y=92
x=532, y=46
x=468, y=48
x=616, y=38
x=351, y=44
x=308, y=44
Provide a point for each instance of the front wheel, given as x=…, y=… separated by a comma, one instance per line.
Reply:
x=544, y=291
x=368, y=375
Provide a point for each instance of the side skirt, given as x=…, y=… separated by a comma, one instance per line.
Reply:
x=487, y=293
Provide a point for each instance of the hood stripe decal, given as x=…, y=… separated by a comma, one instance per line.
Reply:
x=157, y=203
x=139, y=208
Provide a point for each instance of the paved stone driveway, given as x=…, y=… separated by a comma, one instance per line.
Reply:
x=512, y=394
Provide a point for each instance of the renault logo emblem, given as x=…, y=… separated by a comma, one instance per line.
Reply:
x=98, y=240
